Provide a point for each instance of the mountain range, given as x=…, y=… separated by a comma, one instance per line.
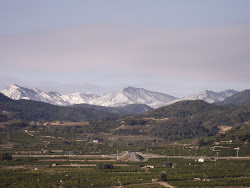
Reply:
x=181, y=120
x=126, y=96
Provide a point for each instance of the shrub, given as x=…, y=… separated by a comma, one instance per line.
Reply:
x=163, y=176
x=6, y=156
x=105, y=166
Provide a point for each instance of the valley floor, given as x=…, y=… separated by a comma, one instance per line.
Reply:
x=58, y=171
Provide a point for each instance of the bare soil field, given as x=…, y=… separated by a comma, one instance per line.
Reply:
x=66, y=123
x=224, y=128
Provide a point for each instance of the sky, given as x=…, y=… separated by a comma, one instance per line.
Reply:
x=177, y=47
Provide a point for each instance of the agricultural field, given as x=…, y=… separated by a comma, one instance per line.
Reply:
x=31, y=142
x=86, y=172
x=105, y=154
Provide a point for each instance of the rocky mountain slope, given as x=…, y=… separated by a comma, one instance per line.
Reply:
x=238, y=99
x=131, y=95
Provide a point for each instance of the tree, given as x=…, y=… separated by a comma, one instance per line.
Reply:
x=163, y=176
x=105, y=166
x=7, y=156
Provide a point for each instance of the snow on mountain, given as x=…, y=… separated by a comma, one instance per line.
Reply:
x=78, y=98
x=128, y=95
x=132, y=95
x=210, y=96
x=17, y=92
x=228, y=93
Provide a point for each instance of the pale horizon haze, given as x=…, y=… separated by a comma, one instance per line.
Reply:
x=177, y=47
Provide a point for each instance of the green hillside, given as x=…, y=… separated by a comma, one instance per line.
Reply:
x=121, y=111
x=185, y=119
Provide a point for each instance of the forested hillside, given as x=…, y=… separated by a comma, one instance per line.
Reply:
x=38, y=111
x=237, y=133
x=181, y=120
x=121, y=111
x=186, y=119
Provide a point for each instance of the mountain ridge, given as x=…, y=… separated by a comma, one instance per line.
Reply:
x=126, y=96
x=237, y=99
x=210, y=96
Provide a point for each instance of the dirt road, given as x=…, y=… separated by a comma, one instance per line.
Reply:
x=132, y=155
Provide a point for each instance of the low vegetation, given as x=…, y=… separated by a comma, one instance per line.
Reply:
x=186, y=173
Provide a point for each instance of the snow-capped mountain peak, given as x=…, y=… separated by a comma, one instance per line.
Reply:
x=210, y=96
x=132, y=95
x=17, y=92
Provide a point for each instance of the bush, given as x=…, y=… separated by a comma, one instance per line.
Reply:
x=6, y=156
x=163, y=176
x=105, y=166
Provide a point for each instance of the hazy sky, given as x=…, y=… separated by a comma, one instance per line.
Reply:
x=178, y=47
